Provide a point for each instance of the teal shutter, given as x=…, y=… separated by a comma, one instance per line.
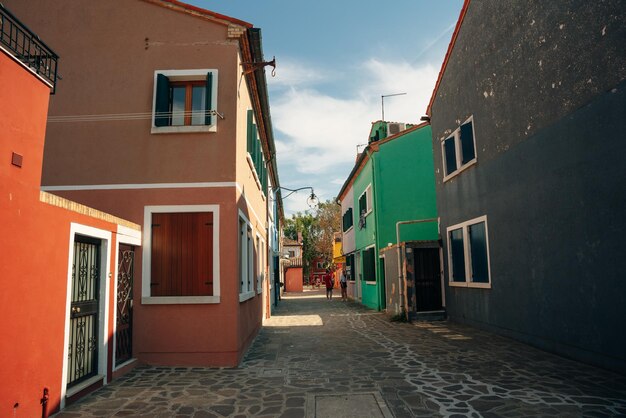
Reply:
x=208, y=105
x=162, y=102
x=250, y=132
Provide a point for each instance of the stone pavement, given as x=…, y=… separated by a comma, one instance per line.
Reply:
x=320, y=358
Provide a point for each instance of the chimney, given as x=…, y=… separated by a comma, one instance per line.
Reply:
x=299, y=237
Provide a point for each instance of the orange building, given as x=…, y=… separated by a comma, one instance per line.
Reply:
x=164, y=120
x=59, y=260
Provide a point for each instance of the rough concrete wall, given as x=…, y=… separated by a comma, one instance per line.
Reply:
x=544, y=82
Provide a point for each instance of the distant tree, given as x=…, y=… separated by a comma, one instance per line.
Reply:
x=304, y=223
x=328, y=216
x=317, y=230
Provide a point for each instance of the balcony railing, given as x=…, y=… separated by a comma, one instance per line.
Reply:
x=26, y=46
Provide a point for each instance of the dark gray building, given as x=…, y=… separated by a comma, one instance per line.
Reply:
x=529, y=138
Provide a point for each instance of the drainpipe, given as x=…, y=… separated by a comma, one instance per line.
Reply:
x=44, y=403
x=404, y=303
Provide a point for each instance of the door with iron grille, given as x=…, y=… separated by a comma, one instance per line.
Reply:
x=124, y=321
x=427, y=279
x=83, y=338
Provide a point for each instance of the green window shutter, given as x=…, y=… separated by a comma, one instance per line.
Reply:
x=162, y=102
x=250, y=132
x=207, y=98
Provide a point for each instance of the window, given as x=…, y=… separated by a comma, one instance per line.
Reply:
x=369, y=265
x=365, y=205
x=459, y=150
x=256, y=159
x=260, y=274
x=347, y=220
x=320, y=265
x=292, y=254
x=184, y=101
x=180, y=255
x=246, y=260
x=468, y=254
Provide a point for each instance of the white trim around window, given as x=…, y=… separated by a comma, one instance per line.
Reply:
x=245, y=257
x=458, y=151
x=186, y=75
x=146, y=264
x=469, y=254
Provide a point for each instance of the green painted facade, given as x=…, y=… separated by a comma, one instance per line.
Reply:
x=400, y=176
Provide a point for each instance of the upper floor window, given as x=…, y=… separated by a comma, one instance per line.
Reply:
x=365, y=205
x=459, y=150
x=184, y=101
x=347, y=220
x=255, y=154
x=468, y=254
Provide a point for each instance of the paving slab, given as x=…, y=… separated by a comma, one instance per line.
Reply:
x=321, y=358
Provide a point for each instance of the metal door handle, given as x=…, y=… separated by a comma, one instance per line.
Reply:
x=75, y=309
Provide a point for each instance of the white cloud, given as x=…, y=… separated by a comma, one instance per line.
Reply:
x=317, y=132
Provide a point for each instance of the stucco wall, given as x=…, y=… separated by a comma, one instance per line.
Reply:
x=35, y=252
x=547, y=95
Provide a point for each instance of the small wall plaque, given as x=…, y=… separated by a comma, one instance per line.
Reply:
x=16, y=160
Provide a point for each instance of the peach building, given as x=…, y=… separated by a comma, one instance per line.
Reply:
x=163, y=119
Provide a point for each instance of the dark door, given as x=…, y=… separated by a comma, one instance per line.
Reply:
x=124, y=321
x=427, y=279
x=83, y=342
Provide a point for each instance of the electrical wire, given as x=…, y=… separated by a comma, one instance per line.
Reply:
x=131, y=116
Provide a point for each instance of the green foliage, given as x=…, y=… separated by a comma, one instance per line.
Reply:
x=317, y=230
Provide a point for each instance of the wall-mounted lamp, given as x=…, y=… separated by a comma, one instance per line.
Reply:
x=312, y=200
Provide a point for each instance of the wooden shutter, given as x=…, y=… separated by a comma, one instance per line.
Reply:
x=162, y=101
x=208, y=97
x=182, y=254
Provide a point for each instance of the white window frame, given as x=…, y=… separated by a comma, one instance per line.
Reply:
x=371, y=282
x=368, y=201
x=246, y=259
x=467, y=254
x=146, y=264
x=457, y=151
x=186, y=75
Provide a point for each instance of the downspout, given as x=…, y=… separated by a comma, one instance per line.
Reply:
x=404, y=303
x=374, y=193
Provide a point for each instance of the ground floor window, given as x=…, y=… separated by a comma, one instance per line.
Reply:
x=180, y=262
x=369, y=264
x=246, y=260
x=468, y=254
x=182, y=254
x=350, y=268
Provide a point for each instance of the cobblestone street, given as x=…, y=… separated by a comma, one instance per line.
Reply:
x=320, y=358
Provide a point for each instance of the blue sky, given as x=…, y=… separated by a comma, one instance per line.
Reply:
x=334, y=61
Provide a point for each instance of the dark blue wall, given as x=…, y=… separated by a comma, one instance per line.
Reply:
x=551, y=172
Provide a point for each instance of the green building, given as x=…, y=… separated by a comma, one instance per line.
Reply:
x=392, y=187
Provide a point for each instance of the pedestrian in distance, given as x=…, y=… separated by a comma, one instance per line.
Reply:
x=329, y=282
x=343, y=282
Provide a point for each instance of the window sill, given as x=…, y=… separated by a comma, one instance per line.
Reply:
x=349, y=229
x=246, y=296
x=182, y=129
x=179, y=300
x=460, y=170
x=469, y=284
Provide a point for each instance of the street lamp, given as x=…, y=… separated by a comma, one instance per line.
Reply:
x=311, y=200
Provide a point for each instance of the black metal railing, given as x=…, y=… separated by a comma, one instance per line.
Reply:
x=26, y=46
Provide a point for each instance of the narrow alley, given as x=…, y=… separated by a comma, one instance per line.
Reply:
x=320, y=358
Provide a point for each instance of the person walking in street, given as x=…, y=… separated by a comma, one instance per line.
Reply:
x=343, y=282
x=329, y=282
